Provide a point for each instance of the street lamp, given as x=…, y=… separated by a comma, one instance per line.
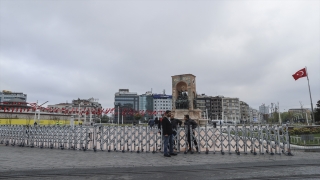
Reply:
x=118, y=111
x=80, y=103
x=38, y=110
x=72, y=122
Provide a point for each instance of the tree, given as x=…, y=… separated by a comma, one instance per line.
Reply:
x=105, y=119
x=286, y=116
x=317, y=112
x=137, y=116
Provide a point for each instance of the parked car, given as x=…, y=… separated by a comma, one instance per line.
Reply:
x=218, y=122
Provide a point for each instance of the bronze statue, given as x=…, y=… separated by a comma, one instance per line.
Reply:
x=182, y=101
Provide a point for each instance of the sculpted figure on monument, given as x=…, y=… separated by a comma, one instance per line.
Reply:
x=182, y=101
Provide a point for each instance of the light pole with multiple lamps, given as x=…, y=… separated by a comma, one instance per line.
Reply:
x=38, y=110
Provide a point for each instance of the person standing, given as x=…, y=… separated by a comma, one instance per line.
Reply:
x=151, y=123
x=160, y=121
x=167, y=135
x=190, y=123
x=156, y=121
x=175, y=124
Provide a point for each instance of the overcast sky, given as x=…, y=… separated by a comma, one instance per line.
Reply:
x=58, y=51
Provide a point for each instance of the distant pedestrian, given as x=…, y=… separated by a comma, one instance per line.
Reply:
x=156, y=121
x=189, y=123
x=151, y=123
x=160, y=122
x=175, y=124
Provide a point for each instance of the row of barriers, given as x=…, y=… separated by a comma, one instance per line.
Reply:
x=224, y=139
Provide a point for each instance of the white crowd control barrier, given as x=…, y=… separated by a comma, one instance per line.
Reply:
x=223, y=139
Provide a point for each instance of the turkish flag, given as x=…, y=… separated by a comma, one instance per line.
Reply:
x=299, y=74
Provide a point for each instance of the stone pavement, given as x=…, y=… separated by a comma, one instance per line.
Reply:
x=21, y=161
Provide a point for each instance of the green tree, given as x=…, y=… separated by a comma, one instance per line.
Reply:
x=286, y=116
x=137, y=116
x=317, y=112
x=105, y=119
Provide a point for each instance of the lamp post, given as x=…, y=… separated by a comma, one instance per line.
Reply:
x=80, y=103
x=72, y=122
x=118, y=111
x=38, y=110
x=207, y=113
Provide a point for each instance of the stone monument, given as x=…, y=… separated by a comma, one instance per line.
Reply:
x=184, y=98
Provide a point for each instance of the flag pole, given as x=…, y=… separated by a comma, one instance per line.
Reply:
x=310, y=97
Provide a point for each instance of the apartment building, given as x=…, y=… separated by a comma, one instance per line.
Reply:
x=231, y=109
x=245, y=110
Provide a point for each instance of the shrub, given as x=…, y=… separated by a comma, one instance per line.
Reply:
x=300, y=131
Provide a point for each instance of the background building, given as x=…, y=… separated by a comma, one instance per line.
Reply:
x=245, y=112
x=300, y=113
x=90, y=106
x=60, y=106
x=231, y=109
x=161, y=103
x=127, y=102
x=217, y=112
x=146, y=104
x=253, y=115
x=204, y=103
x=10, y=99
x=8, y=96
x=264, y=113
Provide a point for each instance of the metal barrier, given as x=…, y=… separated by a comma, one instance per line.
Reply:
x=305, y=138
x=223, y=139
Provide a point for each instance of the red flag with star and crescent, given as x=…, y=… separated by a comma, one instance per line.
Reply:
x=299, y=74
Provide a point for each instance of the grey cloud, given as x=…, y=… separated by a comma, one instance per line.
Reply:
x=62, y=50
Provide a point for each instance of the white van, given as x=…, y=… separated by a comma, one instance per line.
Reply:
x=218, y=122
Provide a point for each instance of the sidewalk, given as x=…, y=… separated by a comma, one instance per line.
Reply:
x=26, y=158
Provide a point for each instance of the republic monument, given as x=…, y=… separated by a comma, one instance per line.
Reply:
x=184, y=98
